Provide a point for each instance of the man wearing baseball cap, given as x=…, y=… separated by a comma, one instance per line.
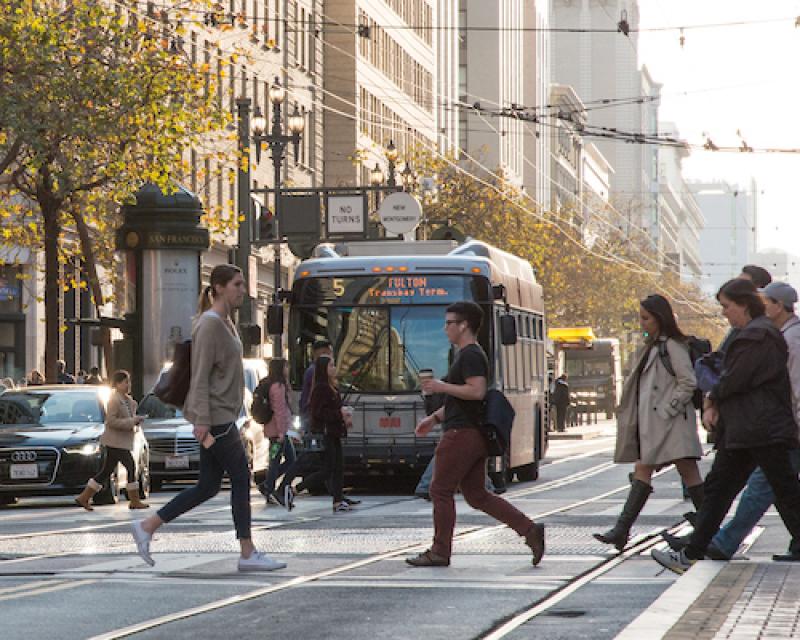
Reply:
x=757, y=497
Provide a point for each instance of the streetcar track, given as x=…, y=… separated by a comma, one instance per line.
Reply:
x=553, y=484
x=472, y=533
x=559, y=594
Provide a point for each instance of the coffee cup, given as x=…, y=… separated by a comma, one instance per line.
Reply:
x=425, y=374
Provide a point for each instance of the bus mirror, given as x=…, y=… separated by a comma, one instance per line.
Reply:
x=498, y=292
x=508, y=330
x=275, y=320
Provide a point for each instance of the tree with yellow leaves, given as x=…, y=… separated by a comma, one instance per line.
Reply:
x=599, y=286
x=93, y=102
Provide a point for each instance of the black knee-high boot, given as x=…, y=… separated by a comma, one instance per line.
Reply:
x=618, y=535
x=697, y=494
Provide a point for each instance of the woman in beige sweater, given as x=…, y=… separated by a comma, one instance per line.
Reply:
x=212, y=405
x=121, y=425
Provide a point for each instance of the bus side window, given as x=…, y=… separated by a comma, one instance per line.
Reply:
x=519, y=348
x=509, y=367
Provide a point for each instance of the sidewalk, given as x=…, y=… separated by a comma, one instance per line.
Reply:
x=585, y=431
x=744, y=598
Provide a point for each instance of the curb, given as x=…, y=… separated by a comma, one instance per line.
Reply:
x=656, y=621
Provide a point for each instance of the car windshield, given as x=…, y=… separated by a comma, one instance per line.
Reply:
x=50, y=407
x=152, y=407
x=588, y=368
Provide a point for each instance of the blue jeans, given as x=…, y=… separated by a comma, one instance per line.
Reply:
x=756, y=498
x=277, y=468
x=226, y=454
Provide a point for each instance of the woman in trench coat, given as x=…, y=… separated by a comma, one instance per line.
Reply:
x=657, y=422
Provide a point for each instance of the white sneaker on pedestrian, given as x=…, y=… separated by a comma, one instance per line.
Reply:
x=142, y=539
x=673, y=560
x=259, y=562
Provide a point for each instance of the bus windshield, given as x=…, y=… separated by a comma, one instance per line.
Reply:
x=379, y=345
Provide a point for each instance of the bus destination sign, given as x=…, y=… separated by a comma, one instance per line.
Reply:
x=406, y=287
x=391, y=289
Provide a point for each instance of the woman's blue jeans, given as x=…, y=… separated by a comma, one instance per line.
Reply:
x=227, y=454
x=279, y=464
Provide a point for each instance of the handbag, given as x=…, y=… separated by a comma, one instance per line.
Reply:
x=173, y=387
x=498, y=419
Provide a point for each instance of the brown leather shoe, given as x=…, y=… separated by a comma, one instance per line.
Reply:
x=428, y=559
x=535, y=540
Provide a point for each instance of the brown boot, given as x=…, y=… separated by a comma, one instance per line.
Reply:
x=535, y=540
x=134, y=501
x=85, y=497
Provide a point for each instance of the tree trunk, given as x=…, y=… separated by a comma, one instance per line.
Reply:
x=52, y=294
x=90, y=266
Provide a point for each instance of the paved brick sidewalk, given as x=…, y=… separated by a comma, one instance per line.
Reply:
x=719, y=601
x=745, y=600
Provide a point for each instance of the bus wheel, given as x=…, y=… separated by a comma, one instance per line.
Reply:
x=528, y=472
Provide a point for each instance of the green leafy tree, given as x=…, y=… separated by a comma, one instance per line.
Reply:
x=93, y=102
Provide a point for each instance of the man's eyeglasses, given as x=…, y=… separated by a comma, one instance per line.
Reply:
x=448, y=322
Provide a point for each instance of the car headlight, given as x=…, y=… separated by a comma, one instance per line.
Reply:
x=88, y=449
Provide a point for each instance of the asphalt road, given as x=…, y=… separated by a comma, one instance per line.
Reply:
x=66, y=573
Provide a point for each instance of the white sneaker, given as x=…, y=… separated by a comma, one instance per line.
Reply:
x=259, y=562
x=142, y=539
x=676, y=561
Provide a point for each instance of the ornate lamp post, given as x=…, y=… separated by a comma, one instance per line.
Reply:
x=391, y=157
x=278, y=142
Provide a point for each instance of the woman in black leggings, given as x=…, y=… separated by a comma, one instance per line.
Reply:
x=121, y=425
x=331, y=421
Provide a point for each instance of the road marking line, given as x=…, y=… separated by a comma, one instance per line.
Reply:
x=50, y=589
x=26, y=585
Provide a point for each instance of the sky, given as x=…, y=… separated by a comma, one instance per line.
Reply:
x=726, y=79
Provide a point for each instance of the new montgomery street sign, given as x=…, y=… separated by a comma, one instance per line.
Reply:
x=400, y=213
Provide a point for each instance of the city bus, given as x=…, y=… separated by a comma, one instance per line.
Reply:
x=381, y=304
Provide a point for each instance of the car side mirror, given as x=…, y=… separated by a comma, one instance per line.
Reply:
x=508, y=330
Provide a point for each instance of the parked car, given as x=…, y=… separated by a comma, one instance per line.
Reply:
x=174, y=451
x=254, y=370
x=49, y=443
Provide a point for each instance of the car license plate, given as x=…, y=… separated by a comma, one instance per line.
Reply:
x=177, y=462
x=24, y=471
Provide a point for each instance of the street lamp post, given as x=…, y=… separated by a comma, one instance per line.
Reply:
x=391, y=158
x=278, y=142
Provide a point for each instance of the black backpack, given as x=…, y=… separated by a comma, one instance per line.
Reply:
x=261, y=409
x=698, y=348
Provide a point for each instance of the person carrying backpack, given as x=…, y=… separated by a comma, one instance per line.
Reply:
x=271, y=394
x=657, y=422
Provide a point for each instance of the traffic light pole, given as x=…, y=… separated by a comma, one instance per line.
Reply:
x=244, y=210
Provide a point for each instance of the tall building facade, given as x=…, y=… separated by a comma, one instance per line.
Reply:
x=729, y=239
x=506, y=68
x=603, y=66
x=385, y=84
x=678, y=218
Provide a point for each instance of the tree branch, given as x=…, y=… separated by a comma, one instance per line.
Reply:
x=11, y=155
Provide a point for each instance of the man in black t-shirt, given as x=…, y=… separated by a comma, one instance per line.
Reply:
x=462, y=452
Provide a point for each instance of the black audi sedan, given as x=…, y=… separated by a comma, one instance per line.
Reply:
x=49, y=443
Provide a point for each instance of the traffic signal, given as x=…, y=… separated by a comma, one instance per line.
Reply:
x=266, y=226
